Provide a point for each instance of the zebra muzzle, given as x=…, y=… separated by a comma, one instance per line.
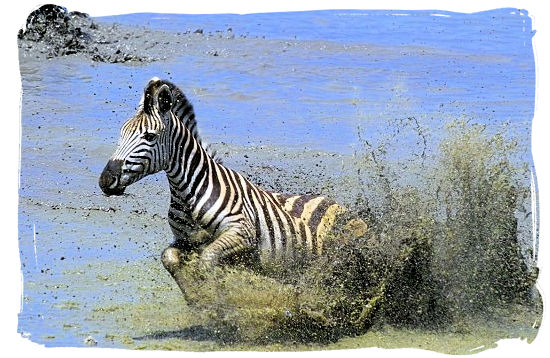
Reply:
x=109, y=180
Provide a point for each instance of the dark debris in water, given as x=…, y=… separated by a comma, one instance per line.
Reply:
x=52, y=31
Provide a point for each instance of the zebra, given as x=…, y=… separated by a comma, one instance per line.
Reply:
x=214, y=210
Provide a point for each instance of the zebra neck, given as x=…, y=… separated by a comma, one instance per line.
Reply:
x=189, y=172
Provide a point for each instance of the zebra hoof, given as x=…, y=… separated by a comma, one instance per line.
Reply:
x=171, y=259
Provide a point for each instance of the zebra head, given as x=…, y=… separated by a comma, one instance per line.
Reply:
x=144, y=140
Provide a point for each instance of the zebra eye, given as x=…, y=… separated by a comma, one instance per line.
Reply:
x=149, y=136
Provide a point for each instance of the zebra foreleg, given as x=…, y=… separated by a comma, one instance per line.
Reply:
x=176, y=256
x=172, y=261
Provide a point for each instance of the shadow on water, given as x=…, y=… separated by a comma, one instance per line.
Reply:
x=193, y=333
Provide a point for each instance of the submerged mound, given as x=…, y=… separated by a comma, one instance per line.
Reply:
x=52, y=31
x=53, y=25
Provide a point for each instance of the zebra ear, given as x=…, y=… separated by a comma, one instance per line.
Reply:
x=164, y=99
x=157, y=96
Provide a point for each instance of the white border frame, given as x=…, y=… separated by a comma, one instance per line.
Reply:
x=14, y=16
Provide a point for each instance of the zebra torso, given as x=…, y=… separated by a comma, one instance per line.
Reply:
x=214, y=198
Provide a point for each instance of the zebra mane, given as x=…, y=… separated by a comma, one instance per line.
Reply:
x=182, y=109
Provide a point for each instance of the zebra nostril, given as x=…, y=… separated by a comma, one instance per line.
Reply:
x=109, y=185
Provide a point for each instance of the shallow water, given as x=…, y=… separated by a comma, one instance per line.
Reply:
x=292, y=92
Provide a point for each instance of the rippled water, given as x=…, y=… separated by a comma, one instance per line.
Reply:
x=288, y=80
x=432, y=65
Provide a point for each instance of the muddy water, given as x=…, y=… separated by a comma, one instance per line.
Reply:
x=280, y=101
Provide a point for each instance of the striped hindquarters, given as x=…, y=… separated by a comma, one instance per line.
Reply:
x=314, y=215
